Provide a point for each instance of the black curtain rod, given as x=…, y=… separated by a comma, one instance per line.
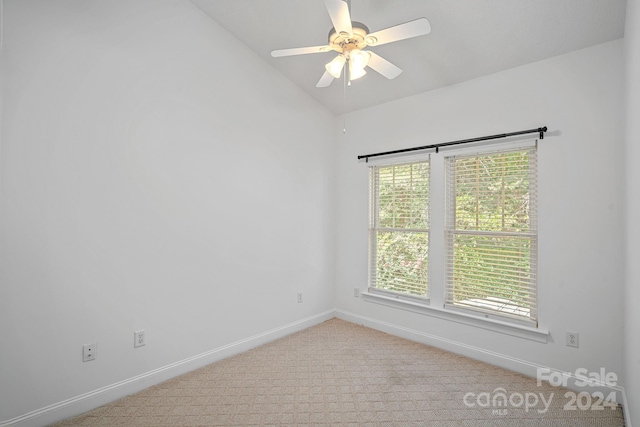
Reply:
x=540, y=131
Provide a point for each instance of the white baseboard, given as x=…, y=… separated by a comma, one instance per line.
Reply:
x=87, y=401
x=497, y=359
x=104, y=395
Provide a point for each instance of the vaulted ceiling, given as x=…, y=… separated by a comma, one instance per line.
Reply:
x=468, y=39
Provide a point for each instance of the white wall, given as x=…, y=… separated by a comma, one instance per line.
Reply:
x=156, y=174
x=632, y=296
x=579, y=96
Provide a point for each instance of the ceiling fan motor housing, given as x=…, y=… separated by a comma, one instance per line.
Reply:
x=343, y=42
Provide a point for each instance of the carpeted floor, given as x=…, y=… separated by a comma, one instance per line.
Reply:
x=341, y=374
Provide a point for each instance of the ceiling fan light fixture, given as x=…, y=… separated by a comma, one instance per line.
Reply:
x=359, y=58
x=335, y=66
x=356, y=73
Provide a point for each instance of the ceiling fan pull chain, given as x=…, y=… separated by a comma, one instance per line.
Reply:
x=344, y=103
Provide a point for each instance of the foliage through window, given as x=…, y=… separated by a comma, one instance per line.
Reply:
x=491, y=233
x=399, y=228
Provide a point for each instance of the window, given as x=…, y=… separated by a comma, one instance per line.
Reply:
x=399, y=229
x=491, y=233
x=480, y=252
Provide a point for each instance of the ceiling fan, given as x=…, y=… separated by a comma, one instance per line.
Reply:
x=349, y=38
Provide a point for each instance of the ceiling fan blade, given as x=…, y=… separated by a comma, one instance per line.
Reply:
x=416, y=28
x=299, y=51
x=325, y=80
x=340, y=17
x=382, y=66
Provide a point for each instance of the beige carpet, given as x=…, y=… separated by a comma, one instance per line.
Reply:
x=341, y=374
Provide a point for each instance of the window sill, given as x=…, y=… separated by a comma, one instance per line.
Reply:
x=505, y=327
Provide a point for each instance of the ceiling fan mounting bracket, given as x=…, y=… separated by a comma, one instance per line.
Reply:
x=343, y=42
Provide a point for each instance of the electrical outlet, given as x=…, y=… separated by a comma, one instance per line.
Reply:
x=573, y=339
x=356, y=292
x=299, y=297
x=138, y=338
x=89, y=352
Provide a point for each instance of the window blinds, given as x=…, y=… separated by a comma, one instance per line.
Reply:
x=399, y=228
x=491, y=233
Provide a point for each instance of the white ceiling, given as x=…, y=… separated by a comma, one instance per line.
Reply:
x=468, y=39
